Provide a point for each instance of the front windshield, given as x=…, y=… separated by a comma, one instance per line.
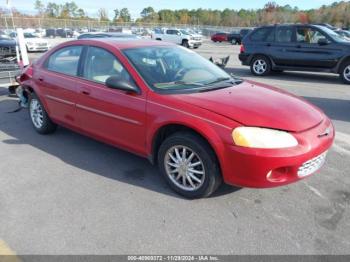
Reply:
x=333, y=35
x=29, y=35
x=184, y=32
x=175, y=68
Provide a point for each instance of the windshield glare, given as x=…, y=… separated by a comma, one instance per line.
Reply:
x=29, y=35
x=166, y=68
x=184, y=32
x=333, y=34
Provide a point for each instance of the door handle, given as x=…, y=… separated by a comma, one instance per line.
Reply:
x=41, y=79
x=85, y=92
x=298, y=46
x=268, y=44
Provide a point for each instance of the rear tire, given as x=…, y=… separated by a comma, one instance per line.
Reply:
x=194, y=177
x=39, y=117
x=345, y=72
x=260, y=66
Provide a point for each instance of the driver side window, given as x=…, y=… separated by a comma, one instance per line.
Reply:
x=309, y=35
x=101, y=64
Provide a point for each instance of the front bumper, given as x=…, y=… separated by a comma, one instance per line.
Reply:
x=266, y=168
x=194, y=43
x=38, y=48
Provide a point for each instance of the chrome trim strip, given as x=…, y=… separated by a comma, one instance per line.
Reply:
x=186, y=113
x=128, y=120
x=59, y=100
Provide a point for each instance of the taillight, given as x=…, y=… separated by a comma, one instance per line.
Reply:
x=242, y=49
x=27, y=73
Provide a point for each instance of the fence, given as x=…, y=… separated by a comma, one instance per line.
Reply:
x=8, y=22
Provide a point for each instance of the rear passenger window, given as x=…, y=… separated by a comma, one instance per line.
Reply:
x=65, y=60
x=284, y=34
x=262, y=35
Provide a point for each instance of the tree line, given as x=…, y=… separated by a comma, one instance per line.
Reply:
x=337, y=14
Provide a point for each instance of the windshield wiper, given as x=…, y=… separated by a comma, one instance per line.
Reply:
x=181, y=83
x=218, y=80
x=224, y=79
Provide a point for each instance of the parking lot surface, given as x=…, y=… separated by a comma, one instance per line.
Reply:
x=67, y=194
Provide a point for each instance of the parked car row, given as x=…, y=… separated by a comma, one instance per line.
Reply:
x=298, y=47
x=233, y=38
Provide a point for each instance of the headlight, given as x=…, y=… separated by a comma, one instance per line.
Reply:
x=191, y=38
x=255, y=137
x=30, y=43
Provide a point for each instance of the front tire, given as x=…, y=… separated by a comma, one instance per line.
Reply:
x=185, y=43
x=260, y=66
x=189, y=165
x=345, y=73
x=39, y=117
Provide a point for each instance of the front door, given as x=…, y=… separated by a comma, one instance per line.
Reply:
x=310, y=53
x=110, y=114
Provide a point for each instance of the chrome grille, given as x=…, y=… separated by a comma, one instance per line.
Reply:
x=312, y=165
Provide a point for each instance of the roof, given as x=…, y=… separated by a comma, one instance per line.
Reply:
x=124, y=43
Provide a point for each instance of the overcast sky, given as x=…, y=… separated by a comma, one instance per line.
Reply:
x=136, y=6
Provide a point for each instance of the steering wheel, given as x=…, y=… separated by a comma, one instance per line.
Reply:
x=180, y=73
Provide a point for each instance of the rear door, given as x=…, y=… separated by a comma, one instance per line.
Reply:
x=261, y=41
x=308, y=51
x=171, y=36
x=282, y=49
x=57, y=83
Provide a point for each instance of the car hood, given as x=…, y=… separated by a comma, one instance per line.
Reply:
x=35, y=40
x=258, y=105
x=7, y=42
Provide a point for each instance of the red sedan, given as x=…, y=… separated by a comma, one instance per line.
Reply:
x=219, y=37
x=170, y=105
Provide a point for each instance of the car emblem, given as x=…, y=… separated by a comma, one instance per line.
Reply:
x=325, y=133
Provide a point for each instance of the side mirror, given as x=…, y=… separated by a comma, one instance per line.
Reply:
x=115, y=82
x=323, y=41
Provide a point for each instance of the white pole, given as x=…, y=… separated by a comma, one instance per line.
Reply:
x=22, y=46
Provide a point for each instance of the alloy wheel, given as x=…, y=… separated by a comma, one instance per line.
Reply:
x=260, y=66
x=184, y=168
x=36, y=113
x=346, y=73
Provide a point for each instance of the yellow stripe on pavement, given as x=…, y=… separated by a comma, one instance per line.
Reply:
x=7, y=254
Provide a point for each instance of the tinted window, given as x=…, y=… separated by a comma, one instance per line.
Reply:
x=262, y=34
x=309, y=35
x=65, y=60
x=284, y=34
x=172, y=32
x=101, y=64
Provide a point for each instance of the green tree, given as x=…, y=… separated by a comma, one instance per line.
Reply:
x=102, y=14
x=116, y=15
x=125, y=15
x=40, y=7
x=149, y=15
x=52, y=9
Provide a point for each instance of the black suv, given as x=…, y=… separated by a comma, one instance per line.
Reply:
x=296, y=47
